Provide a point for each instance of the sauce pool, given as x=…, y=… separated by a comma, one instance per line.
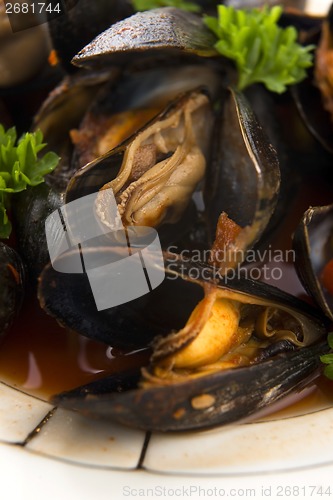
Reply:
x=41, y=358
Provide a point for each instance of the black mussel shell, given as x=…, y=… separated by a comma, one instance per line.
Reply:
x=168, y=30
x=208, y=401
x=69, y=298
x=12, y=278
x=244, y=175
x=307, y=94
x=313, y=245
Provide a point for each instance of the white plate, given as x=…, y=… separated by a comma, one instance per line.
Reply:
x=44, y=449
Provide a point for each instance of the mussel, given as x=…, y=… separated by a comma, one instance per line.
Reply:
x=155, y=172
x=205, y=375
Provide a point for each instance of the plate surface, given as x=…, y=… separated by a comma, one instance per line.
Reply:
x=44, y=449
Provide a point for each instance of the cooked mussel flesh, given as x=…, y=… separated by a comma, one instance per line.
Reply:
x=162, y=166
x=229, y=328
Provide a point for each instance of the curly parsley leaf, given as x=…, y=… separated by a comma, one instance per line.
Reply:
x=327, y=359
x=140, y=5
x=262, y=51
x=20, y=166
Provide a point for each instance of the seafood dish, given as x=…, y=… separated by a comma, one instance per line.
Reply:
x=173, y=190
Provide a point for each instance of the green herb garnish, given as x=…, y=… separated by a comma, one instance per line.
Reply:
x=327, y=359
x=19, y=167
x=141, y=5
x=263, y=51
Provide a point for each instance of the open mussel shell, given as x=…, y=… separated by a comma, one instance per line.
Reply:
x=249, y=291
x=168, y=31
x=12, y=278
x=214, y=400
x=313, y=247
x=217, y=398
x=244, y=175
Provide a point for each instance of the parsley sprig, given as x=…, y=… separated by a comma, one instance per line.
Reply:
x=20, y=167
x=327, y=359
x=262, y=51
x=141, y=5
